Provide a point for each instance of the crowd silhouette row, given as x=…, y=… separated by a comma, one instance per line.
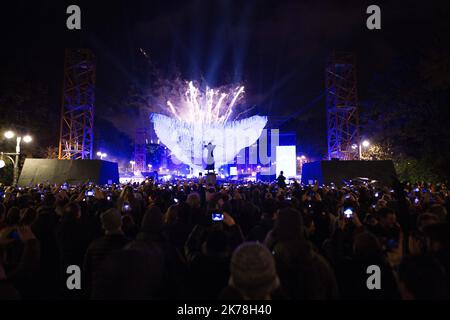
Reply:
x=242, y=240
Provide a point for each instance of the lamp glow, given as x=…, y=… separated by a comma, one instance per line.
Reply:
x=9, y=134
x=27, y=139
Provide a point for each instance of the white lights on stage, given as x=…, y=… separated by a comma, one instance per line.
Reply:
x=187, y=140
x=200, y=116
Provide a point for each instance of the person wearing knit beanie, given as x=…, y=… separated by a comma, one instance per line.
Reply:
x=253, y=272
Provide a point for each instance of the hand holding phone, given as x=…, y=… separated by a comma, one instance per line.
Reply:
x=126, y=207
x=348, y=212
x=217, y=217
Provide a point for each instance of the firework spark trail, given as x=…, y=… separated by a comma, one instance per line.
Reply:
x=209, y=106
x=198, y=117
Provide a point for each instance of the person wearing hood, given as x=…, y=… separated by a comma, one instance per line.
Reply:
x=152, y=234
x=304, y=274
x=97, y=252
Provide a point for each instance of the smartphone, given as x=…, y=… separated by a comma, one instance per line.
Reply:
x=42, y=196
x=175, y=200
x=416, y=200
x=126, y=206
x=217, y=217
x=89, y=193
x=108, y=198
x=63, y=187
x=348, y=212
x=377, y=194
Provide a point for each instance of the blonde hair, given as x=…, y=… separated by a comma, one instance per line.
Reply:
x=171, y=214
x=193, y=200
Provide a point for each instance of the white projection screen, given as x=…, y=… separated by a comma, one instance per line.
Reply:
x=233, y=171
x=286, y=160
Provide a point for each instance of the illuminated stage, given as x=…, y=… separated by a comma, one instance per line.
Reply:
x=206, y=116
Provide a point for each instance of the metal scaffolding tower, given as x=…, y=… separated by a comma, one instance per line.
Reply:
x=77, y=110
x=342, y=107
x=140, y=150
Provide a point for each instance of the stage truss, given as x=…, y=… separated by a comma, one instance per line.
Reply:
x=342, y=107
x=77, y=110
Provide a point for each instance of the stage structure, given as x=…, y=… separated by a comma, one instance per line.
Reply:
x=77, y=110
x=199, y=117
x=73, y=172
x=342, y=107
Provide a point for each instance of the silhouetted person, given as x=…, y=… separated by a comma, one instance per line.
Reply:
x=281, y=180
x=97, y=252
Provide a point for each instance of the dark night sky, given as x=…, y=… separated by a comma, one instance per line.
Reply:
x=278, y=49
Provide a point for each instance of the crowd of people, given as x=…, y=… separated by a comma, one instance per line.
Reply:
x=190, y=240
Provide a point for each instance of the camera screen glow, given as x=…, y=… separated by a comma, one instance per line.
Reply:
x=217, y=217
x=348, y=212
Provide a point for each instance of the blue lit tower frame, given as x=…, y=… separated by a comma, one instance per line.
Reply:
x=342, y=107
x=77, y=110
x=140, y=150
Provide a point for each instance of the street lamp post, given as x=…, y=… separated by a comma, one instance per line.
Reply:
x=301, y=160
x=101, y=155
x=27, y=139
x=360, y=146
x=363, y=144
x=16, y=163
